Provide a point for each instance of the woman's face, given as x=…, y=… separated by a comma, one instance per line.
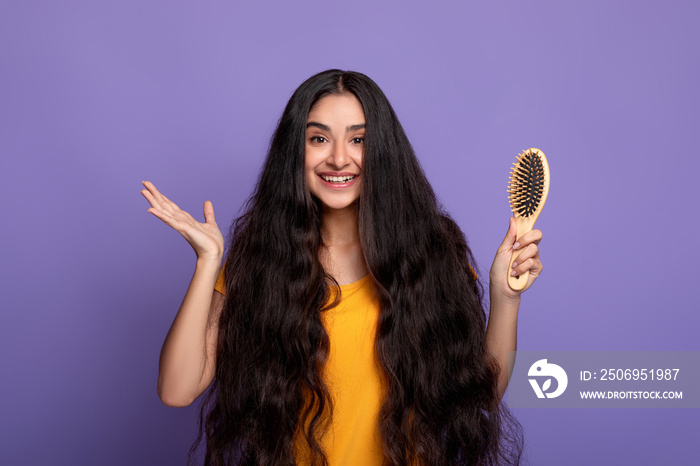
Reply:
x=335, y=139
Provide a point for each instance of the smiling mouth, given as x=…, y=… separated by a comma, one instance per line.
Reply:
x=338, y=179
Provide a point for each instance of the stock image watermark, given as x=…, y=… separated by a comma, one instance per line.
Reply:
x=604, y=379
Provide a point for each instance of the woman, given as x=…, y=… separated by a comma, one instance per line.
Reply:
x=348, y=325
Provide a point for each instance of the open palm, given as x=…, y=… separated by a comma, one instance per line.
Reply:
x=205, y=238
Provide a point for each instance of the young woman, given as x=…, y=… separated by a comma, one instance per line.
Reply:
x=346, y=326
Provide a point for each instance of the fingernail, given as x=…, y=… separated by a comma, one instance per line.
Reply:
x=514, y=264
x=516, y=245
x=513, y=273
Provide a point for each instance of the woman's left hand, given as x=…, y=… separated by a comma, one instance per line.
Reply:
x=527, y=261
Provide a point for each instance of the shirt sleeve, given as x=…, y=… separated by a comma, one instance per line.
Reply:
x=221, y=282
x=476, y=277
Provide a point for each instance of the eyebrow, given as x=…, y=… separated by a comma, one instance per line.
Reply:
x=326, y=128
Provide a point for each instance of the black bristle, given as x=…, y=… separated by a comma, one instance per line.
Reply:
x=526, y=184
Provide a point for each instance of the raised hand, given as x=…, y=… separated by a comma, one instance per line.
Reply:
x=205, y=238
x=528, y=260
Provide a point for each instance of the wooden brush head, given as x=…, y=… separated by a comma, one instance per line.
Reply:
x=529, y=184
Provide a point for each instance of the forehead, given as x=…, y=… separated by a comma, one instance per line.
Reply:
x=341, y=108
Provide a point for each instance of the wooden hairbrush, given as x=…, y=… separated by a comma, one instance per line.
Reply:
x=527, y=192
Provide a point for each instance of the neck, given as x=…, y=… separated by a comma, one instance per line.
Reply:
x=340, y=226
x=341, y=254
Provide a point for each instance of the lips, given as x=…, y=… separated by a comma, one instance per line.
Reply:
x=338, y=180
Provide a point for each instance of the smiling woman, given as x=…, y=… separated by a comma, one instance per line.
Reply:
x=347, y=324
x=335, y=135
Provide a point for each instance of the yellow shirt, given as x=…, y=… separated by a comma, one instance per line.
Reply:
x=353, y=376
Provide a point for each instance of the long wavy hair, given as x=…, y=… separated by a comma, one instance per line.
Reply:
x=441, y=405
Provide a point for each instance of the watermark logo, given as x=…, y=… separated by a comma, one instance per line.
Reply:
x=544, y=369
x=603, y=379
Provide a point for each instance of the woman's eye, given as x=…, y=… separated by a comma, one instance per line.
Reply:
x=320, y=139
x=358, y=140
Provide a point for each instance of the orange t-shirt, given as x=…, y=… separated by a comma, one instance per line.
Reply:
x=353, y=376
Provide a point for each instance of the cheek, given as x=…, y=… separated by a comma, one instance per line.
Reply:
x=308, y=161
x=360, y=157
x=310, y=177
x=360, y=160
x=313, y=156
x=310, y=170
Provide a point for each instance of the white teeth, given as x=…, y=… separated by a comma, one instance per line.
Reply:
x=338, y=179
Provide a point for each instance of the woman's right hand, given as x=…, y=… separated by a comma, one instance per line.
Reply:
x=205, y=238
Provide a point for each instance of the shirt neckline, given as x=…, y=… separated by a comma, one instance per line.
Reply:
x=355, y=284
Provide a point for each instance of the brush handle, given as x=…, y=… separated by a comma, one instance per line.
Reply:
x=519, y=282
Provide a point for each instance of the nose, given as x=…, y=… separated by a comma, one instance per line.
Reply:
x=338, y=156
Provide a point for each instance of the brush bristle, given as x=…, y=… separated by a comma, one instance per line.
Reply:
x=526, y=185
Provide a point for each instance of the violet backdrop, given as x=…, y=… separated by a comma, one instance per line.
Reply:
x=97, y=96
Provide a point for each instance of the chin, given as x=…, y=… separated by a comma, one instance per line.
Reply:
x=337, y=204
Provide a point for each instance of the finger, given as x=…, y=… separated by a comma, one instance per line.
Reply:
x=531, y=237
x=536, y=268
x=166, y=218
x=154, y=191
x=209, y=212
x=164, y=203
x=531, y=251
x=151, y=199
x=174, y=206
x=509, y=240
x=150, y=187
x=530, y=265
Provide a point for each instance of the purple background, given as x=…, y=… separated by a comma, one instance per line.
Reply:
x=97, y=96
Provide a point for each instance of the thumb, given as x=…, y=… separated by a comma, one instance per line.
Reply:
x=511, y=235
x=209, y=212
